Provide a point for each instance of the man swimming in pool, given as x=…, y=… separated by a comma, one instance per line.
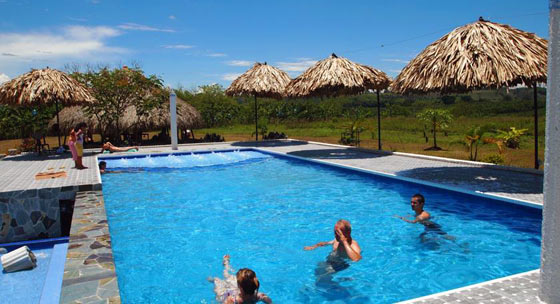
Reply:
x=343, y=245
x=417, y=204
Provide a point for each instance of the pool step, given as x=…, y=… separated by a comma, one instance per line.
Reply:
x=53, y=284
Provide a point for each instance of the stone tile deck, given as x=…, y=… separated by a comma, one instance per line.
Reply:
x=89, y=272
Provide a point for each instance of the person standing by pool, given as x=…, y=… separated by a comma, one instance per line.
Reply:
x=79, y=144
x=72, y=145
x=242, y=288
x=343, y=245
x=417, y=204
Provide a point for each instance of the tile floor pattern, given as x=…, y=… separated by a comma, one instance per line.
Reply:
x=514, y=289
x=89, y=271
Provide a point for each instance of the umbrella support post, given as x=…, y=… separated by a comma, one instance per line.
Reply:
x=378, y=122
x=57, y=123
x=256, y=121
x=537, y=165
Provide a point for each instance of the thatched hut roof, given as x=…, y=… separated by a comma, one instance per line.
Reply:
x=72, y=116
x=44, y=86
x=262, y=80
x=482, y=54
x=336, y=76
x=188, y=117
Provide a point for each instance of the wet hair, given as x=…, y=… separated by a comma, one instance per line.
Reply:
x=102, y=163
x=420, y=197
x=247, y=281
x=345, y=225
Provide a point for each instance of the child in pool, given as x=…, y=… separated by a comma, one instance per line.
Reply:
x=239, y=289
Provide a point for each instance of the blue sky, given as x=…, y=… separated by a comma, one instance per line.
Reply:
x=193, y=43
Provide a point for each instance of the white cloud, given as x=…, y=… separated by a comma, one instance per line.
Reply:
x=395, y=60
x=178, y=46
x=394, y=71
x=4, y=78
x=239, y=63
x=172, y=17
x=230, y=76
x=216, y=55
x=141, y=27
x=70, y=42
x=300, y=65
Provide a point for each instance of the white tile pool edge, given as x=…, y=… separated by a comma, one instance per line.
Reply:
x=481, y=284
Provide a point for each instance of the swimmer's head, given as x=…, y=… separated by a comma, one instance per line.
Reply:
x=247, y=281
x=344, y=226
x=102, y=166
x=417, y=201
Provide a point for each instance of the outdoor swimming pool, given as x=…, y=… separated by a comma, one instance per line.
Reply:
x=172, y=218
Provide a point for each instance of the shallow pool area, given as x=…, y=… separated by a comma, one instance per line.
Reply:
x=172, y=218
x=41, y=284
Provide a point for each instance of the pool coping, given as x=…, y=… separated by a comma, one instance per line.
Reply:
x=89, y=270
x=377, y=173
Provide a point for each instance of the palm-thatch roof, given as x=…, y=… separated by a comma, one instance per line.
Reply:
x=188, y=117
x=44, y=86
x=482, y=54
x=72, y=116
x=335, y=76
x=262, y=80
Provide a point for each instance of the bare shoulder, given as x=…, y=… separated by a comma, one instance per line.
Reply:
x=263, y=297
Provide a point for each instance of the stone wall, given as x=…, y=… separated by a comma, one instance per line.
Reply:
x=32, y=214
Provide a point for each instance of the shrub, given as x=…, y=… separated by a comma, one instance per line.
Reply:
x=494, y=159
x=511, y=138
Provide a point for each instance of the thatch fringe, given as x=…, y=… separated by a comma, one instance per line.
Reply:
x=187, y=118
x=335, y=76
x=482, y=54
x=44, y=86
x=262, y=80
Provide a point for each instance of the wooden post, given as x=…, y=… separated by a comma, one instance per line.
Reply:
x=378, y=122
x=57, y=123
x=536, y=125
x=256, y=120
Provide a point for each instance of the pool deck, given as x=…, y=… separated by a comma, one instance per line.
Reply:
x=17, y=174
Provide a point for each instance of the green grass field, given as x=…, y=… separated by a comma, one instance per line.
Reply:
x=405, y=134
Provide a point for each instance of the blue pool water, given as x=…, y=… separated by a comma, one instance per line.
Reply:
x=173, y=218
x=41, y=284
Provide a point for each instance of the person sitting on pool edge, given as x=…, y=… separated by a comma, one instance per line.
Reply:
x=343, y=245
x=243, y=288
x=417, y=204
x=112, y=148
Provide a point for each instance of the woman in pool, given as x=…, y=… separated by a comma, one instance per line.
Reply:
x=112, y=148
x=240, y=289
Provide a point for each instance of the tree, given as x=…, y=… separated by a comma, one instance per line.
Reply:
x=438, y=119
x=118, y=89
x=216, y=108
x=474, y=136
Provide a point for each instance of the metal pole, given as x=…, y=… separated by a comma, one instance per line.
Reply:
x=549, y=285
x=256, y=121
x=57, y=123
x=536, y=125
x=378, y=122
x=173, y=112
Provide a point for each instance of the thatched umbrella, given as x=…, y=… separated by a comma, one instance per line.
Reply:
x=336, y=76
x=479, y=55
x=188, y=117
x=69, y=117
x=44, y=86
x=262, y=80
